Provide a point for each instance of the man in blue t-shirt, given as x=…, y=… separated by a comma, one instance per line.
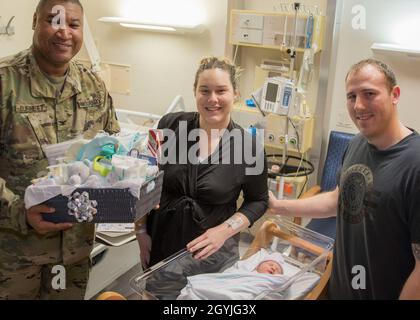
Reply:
x=377, y=202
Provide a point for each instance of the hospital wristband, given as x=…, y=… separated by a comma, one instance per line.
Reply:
x=235, y=223
x=142, y=230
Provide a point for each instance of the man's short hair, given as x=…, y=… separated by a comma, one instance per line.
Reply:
x=42, y=3
x=380, y=66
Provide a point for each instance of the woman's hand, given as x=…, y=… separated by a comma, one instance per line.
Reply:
x=145, y=244
x=209, y=242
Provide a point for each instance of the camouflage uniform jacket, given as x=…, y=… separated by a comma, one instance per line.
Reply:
x=31, y=115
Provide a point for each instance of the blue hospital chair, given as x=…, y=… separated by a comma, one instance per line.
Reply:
x=337, y=145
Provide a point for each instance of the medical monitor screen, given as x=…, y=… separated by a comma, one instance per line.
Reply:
x=272, y=90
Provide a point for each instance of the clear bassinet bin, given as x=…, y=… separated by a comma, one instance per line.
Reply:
x=306, y=254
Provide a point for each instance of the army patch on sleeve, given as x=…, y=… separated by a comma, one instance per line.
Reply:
x=94, y=101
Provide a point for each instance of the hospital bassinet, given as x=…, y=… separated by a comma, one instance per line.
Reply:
x=305, y=251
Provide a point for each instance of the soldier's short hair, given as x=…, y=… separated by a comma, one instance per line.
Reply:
x=42, y=3
x=382, y=67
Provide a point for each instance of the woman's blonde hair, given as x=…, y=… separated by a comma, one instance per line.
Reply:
x=225, y=64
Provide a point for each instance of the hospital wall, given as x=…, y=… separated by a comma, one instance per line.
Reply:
x=162, y=65
x=23, y=11
x=249, y=57
x=386, y=22
x=395, y=22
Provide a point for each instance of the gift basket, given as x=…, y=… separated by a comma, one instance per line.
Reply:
x=109, y=179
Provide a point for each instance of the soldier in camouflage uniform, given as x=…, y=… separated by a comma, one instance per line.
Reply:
x=45, y=98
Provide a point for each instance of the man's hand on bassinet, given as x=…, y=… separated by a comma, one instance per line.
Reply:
x=272, y=203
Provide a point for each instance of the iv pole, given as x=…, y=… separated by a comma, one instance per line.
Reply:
x=292, y=50
x=292, y=53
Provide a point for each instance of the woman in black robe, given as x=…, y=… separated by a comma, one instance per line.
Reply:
x=208, y=160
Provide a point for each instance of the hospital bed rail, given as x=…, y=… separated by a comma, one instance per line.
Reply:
x=125, y=116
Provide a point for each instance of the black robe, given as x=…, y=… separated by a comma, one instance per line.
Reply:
x=196, y=197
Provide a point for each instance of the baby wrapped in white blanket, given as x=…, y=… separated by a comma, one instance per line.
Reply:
x=247, y=279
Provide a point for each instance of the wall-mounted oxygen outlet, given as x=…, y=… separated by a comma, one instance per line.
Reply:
x=293, y=141
x=282, y=140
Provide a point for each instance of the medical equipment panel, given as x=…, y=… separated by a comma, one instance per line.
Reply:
x=278, y=95
x=299, y=135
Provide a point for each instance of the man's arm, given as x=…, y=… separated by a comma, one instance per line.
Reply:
x=411, y=290
x=11, y=206
x=323, y=205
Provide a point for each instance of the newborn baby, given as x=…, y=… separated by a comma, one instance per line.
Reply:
x=269, y=267
x=263, y=261
x=247, y=279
